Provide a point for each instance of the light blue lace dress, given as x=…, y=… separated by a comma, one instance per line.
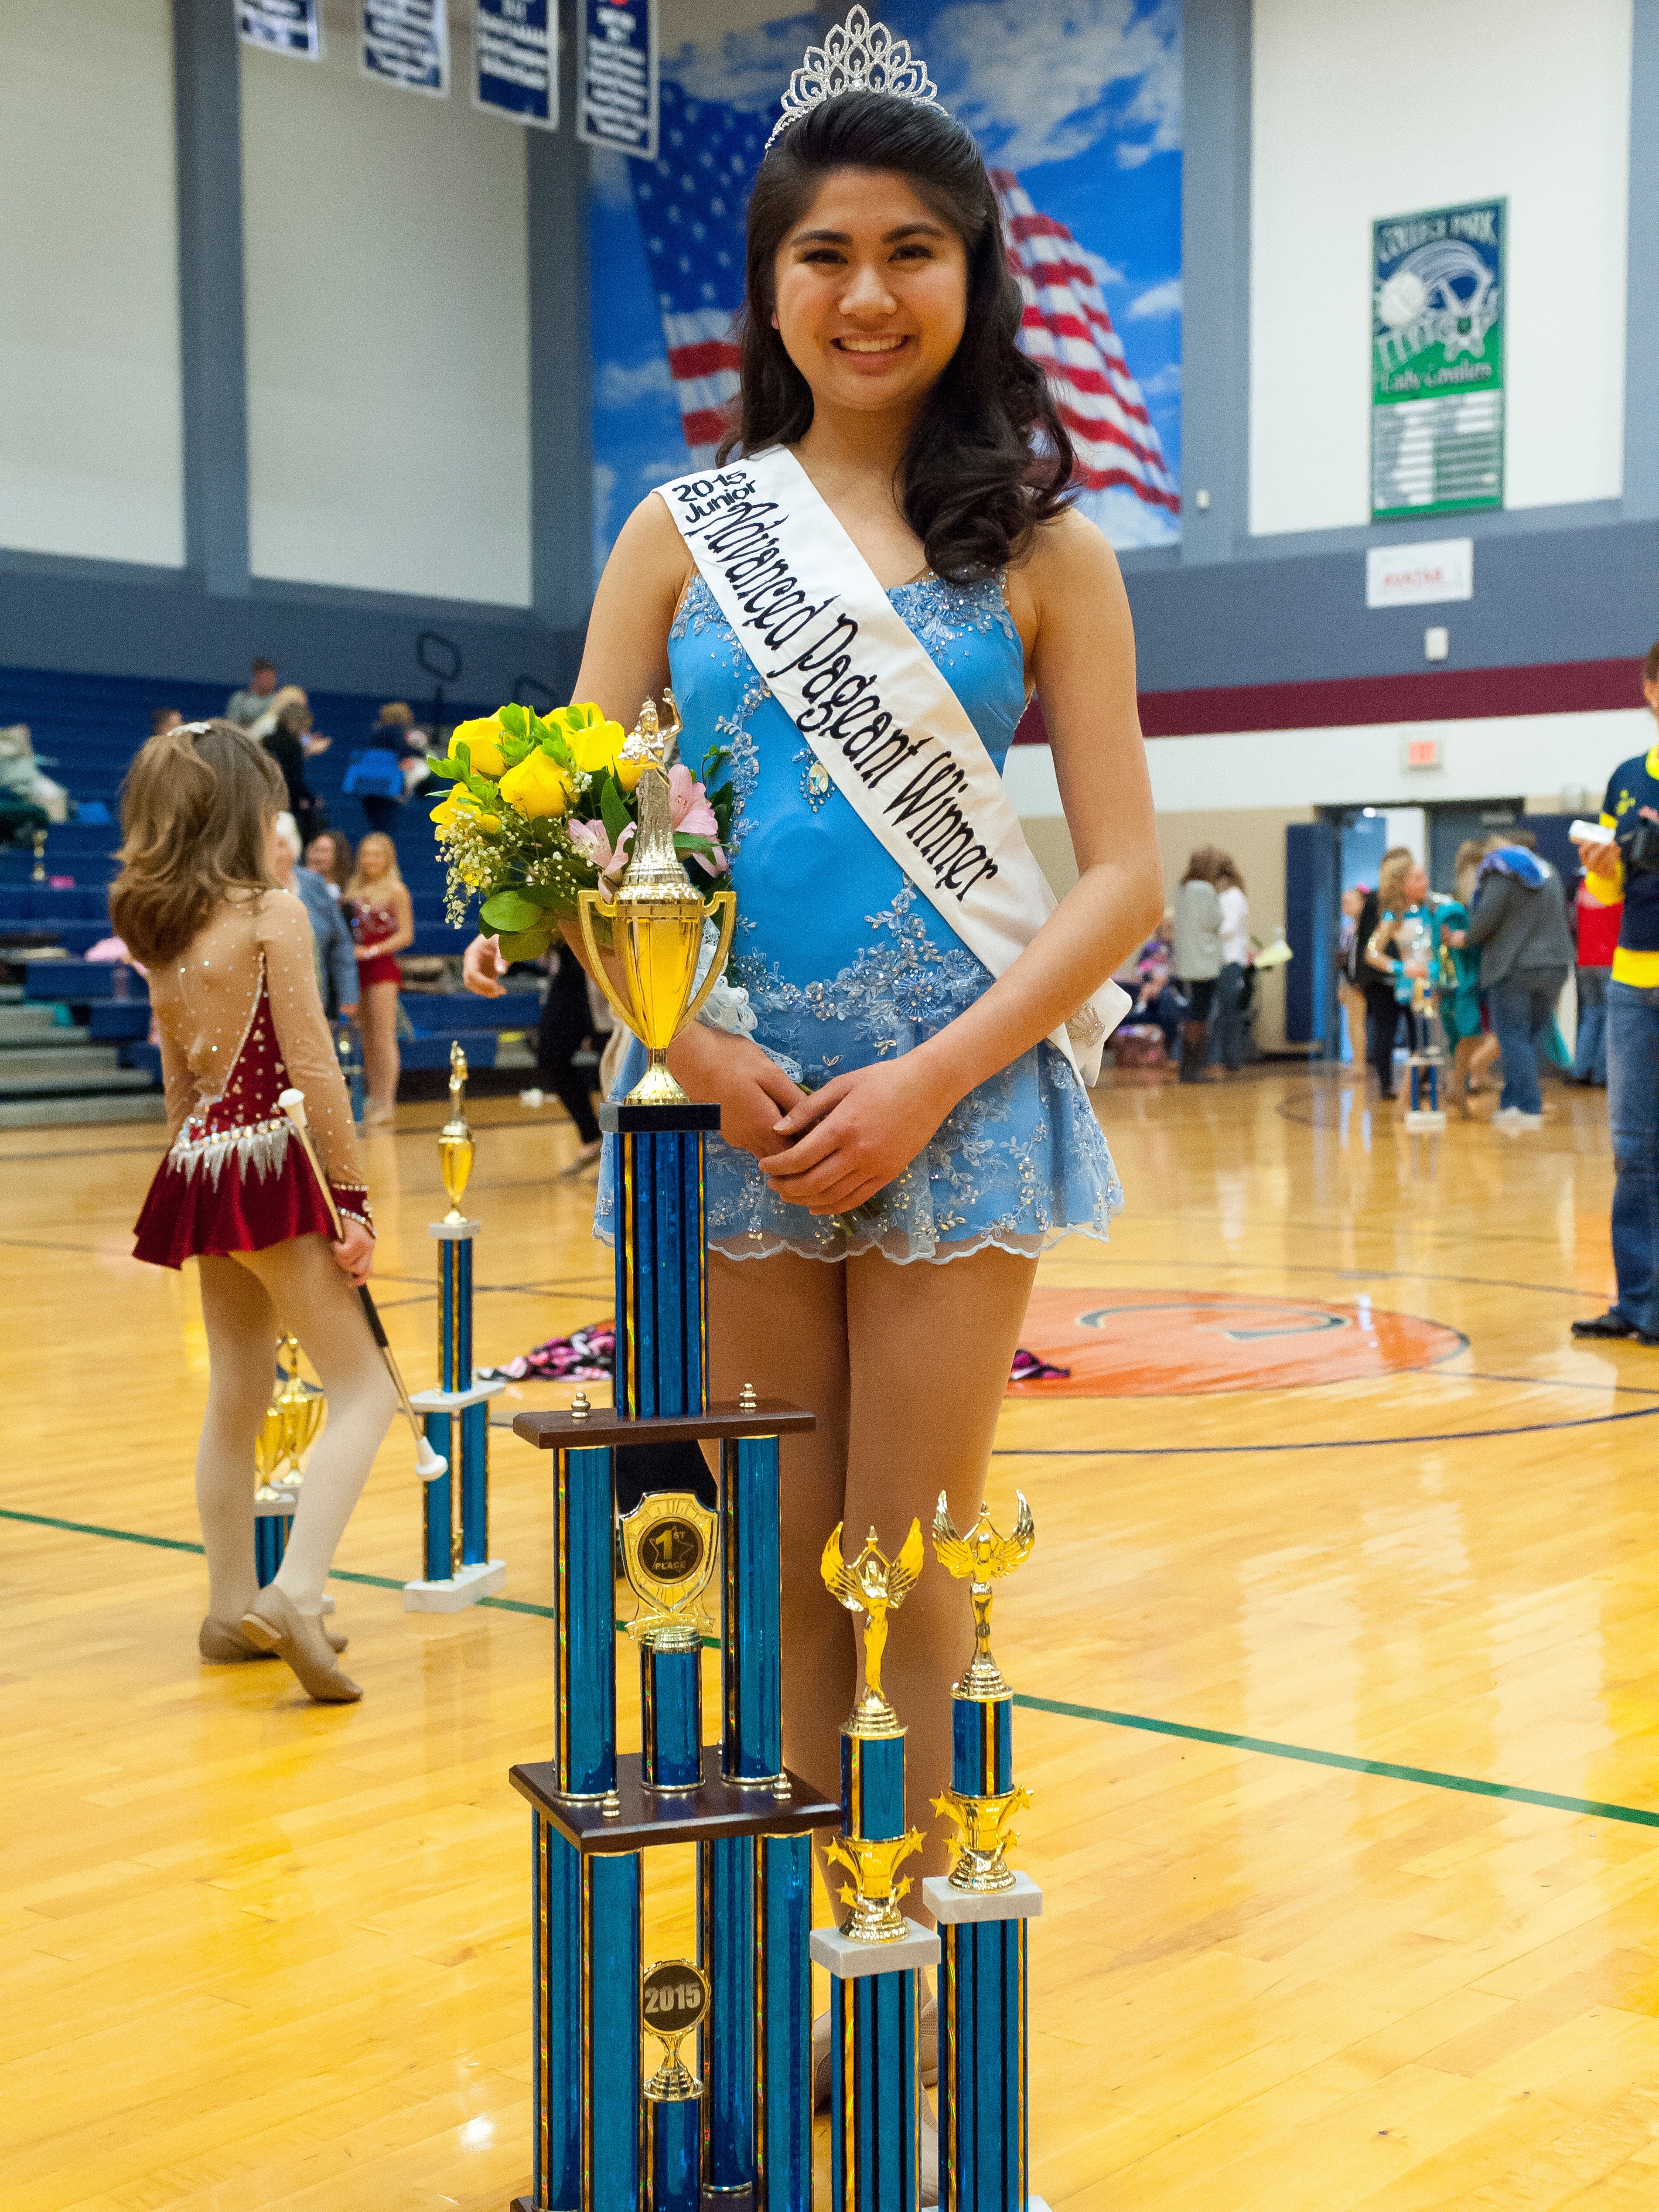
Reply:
x=846, y=962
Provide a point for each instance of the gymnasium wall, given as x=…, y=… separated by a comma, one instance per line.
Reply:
x=92, y=428
x=388, y=369
x=1382, y=108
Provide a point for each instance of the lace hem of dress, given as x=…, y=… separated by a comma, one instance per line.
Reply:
x=1030, y=1247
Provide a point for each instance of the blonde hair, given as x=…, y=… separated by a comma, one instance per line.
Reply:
x=1391, y=881
x=1470, y=855
x=194, y=813
x=359, y=883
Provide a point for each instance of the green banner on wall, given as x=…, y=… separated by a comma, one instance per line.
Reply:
x=1438, y=362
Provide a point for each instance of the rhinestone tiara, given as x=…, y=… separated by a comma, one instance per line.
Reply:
x=857, y=56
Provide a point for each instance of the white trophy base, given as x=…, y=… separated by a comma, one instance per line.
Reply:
x=462, y=1589
x=849, y=1961
x=1022, y=1900
x=1426, y=1118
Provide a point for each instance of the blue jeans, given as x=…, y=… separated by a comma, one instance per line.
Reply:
x=1589, y=1059
x=1633, y=1122
x=1228, y=1032
x=1521, y=1011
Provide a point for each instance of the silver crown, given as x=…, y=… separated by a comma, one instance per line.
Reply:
x=857, y=56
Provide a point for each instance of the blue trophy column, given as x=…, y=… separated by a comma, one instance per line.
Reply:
x=726, y=1952
x=671, y=2154
x=555, y=2002
x=782, y=2004
x=662, y=1293
x=983, y=1994
x=456, y=1568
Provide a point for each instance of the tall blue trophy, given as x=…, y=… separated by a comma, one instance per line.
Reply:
x=732, y=2132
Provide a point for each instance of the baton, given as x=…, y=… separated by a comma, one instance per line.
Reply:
x=429, y=1464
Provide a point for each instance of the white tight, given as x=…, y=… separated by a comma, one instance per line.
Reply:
x=246, y=1301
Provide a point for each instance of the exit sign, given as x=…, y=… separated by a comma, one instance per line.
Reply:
x=1422, y=752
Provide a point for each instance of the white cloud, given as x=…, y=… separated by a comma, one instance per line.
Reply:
x=747, y=69
x=1162, y=382
x=1043, y=84
x=1104, y=272
x=620, y=383
x=1126, y=521
x=1163, y=299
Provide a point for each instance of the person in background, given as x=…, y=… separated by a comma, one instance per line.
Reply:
x=1519, y=920
x=1148, y=977
x=376, y=778
x=1472, y=1047
x=273, y=708
x=1383, y=1008
x=566, y=1026
x=1626, y=868
x=163, y=720
x=337, y=957
x=329, y=857
x=383, y=923
x=285, y=743
x=1197, y=954
x=1596, y=926
x=1349, y=994
x=244, y=708
x=1232, y=984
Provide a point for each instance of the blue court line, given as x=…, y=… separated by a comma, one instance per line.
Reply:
x=1224, y=1739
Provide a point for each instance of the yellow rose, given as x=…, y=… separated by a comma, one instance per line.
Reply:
x=536, y=787
x=483, y=738
x=461, y=806
x=594, y=750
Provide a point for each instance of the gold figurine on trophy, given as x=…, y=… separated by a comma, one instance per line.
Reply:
x=291, y=1423
x=980, y=1557
x=456, y=1143
x=874, y=1585
x=657, y=921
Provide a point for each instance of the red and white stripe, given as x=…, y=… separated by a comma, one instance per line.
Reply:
x=1067, y=328
x=703, y=363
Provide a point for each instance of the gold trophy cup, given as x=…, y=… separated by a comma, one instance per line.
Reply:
x=456, y=1143
x=291, y=1424
x=657, y=921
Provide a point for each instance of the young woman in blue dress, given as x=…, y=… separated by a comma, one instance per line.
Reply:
x=898, y=1140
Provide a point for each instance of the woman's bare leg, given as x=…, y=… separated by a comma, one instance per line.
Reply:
x=242, y=1335
x=931, y=1347
x=379, y=1018
x=781, y=1324
x=313, y=1299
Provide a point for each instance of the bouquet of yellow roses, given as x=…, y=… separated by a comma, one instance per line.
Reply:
x=543, y=806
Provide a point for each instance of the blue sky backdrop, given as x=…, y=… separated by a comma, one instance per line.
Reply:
x=1080, y=98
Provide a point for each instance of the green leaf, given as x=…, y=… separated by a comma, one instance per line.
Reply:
x=525, y=945
x=453, y=769
x=510, y=910
x=513, y=719
x=685, y=841
x=613, y=811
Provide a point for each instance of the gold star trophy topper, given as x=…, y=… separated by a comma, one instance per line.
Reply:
x=985, y=1557
x=874, y=1585
x=668, y=1556
x=983, y=1836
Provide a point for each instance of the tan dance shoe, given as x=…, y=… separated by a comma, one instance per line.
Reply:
x=221, y=1643
x=272, y=1622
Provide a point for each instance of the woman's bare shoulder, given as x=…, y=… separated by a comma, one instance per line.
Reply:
x=1071, y=552
x=651, y=548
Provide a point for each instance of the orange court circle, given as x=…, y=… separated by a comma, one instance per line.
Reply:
x=1159, y=1344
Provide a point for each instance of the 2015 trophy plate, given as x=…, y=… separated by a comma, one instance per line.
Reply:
x=731, y=2130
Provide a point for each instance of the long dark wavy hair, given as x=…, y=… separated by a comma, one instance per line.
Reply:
x=988, y=459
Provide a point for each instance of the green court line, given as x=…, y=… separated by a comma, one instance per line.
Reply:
x=1425, y=1776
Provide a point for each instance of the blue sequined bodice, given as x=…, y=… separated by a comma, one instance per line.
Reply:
x=846, y=962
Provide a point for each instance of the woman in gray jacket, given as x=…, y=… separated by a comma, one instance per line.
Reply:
x=1520, y=923
x=1197, y=951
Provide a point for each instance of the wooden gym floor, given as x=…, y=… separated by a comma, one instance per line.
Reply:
x=1337, y=1659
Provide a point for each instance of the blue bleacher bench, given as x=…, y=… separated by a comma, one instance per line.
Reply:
x=78, y=981
x=455, y=1012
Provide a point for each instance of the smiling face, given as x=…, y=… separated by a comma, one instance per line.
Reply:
x=871, y=294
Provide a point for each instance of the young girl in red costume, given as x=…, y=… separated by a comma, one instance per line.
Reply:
x=233, y=982
x=383, y=923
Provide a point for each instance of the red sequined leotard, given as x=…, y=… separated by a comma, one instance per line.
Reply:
x=372, y=925
x=240, y=1020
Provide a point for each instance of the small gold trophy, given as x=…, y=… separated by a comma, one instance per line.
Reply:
x=657, y=919
x=291, y=1424
x=674, y=2004
x=456, y=1143
x=877, y=1884
x=983, y=1836
x=669, y=1552
x=873, y=1585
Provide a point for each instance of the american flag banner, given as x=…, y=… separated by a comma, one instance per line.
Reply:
x=1069, y=329
x=691, y=204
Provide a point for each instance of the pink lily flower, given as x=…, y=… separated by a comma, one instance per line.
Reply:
x=592, y=839
x=689, y=809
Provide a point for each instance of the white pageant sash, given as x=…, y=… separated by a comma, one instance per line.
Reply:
x=877, y=712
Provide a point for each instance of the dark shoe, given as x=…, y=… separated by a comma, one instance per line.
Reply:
x=1646, y=1336
x=1611, y=1323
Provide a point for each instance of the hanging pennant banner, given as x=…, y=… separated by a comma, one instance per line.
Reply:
x=281, y=26
x=406, y=42
x=617, y=76
x=517, y=69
